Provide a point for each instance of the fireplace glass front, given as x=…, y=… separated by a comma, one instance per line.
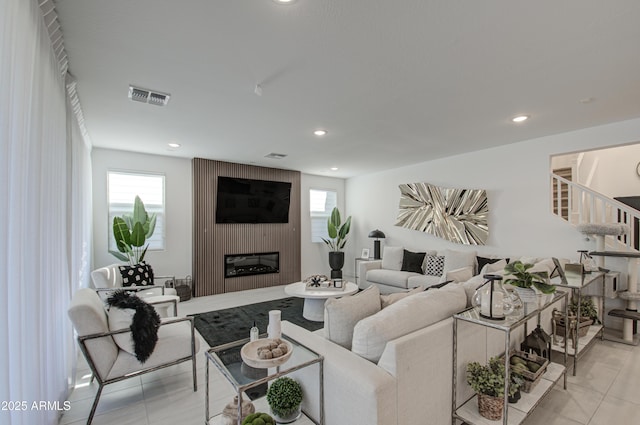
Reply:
x=236, y=265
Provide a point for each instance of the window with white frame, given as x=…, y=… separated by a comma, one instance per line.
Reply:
x=122, y=190
x=321, y=203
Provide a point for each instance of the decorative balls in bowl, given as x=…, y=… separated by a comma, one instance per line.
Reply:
x=266, y=353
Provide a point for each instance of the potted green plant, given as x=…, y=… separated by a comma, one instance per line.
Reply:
x=588, y=316
x=528, y=285
x=587, y=309
x=518, y=275
x=284, y=397
x=338, y=232
x=131, y=231
x=488, y=381
x=258, y=418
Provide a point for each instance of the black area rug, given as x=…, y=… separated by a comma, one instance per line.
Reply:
x=232, y=324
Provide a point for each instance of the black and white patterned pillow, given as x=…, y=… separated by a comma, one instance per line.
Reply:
x=138, y=275
x=434, y=265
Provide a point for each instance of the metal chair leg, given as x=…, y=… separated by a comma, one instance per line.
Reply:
x=195, y=378
x=95, y=405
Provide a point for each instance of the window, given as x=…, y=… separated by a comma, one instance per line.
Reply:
x=122, y=190
x=321, y=203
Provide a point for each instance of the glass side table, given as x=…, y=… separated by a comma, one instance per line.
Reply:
x=252, y=382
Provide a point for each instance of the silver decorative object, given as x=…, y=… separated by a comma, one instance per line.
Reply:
x=457, y=215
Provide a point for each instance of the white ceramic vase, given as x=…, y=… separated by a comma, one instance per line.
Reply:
x=532, y=299
x=528, y=297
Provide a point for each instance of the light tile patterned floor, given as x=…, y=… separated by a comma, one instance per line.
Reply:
x=606, y=390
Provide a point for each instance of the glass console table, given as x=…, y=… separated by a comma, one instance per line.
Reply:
x=252, y=382
x=513, y=414
x=576, y=283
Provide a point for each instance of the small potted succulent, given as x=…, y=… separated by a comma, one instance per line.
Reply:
x=284, y=397
x=488, y=382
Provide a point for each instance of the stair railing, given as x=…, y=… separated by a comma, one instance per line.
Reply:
x=583, y=205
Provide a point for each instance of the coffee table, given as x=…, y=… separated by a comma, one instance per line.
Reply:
x=314, y=299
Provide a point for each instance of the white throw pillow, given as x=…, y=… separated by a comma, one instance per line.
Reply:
x=121, y=318
x=458, y=259
x=459, y=275
x=470, y=287
x=342, y=314
x=490, y=268
x=370, y=335
x=546, y=265
x=528, y=260
x=387, y=300
x=392, y=257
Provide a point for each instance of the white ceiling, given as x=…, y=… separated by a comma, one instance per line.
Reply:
x=394, y=82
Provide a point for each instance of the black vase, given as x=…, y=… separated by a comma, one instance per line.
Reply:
x=336, y=262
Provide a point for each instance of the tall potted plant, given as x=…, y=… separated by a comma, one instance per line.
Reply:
x=131, y=231
x=338, y=232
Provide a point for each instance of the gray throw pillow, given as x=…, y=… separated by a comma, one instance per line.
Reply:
x=392, y=258
x=342, y=314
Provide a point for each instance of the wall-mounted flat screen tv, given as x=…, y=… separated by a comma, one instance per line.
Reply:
x=252, y=201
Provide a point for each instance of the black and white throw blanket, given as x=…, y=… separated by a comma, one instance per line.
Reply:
x=145, y=323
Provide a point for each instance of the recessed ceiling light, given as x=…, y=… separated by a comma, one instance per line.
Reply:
x=174, y=145
x=285, y=1
x=319, y=132
x=520, y=118
x=334, y=168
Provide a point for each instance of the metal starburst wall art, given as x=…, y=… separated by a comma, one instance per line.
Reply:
x=456, y=215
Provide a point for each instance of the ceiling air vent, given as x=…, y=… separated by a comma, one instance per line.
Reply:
x=147, y=96
x=274, y=155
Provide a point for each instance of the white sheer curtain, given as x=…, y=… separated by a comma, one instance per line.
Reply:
x=38, y=236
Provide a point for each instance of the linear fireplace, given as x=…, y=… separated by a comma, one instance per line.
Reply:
x=236, y=265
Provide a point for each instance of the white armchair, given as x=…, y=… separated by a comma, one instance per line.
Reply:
x=176, y=344
x=108, y=278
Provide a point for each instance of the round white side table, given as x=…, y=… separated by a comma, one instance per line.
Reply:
x=314, y=299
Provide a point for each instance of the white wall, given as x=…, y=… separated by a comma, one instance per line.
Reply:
x=516, y=178
x=616, y=170
x=315, y=255
x=176, y=257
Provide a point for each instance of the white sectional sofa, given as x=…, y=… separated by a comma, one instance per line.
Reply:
x=399, y=368
x=395, y=274
x=412, y=380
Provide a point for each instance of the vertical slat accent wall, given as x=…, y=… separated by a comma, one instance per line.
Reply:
x=212, y=241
